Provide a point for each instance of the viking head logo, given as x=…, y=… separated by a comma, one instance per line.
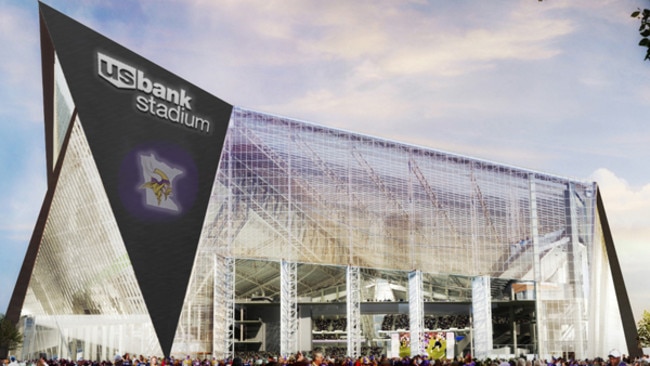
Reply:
x=161, y=187
x=158, y=180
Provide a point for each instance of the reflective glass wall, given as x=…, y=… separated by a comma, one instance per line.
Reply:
x=83, y=300
x=289, y=190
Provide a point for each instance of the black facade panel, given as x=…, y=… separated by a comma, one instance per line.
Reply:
x=156, y=140
x=624, y=306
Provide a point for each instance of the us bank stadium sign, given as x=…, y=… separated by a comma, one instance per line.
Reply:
x=155, y=98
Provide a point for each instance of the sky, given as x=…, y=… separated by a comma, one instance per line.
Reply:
x=554, y=86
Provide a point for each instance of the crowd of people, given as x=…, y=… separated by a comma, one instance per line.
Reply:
x=397, y=322
x=401, y=321
x=319, y=358
x=330, y=325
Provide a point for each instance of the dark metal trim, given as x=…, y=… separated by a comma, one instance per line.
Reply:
x=624, y=307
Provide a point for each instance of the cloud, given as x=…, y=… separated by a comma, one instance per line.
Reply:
x=379, y=40
x=628, y=206
x=628, y=211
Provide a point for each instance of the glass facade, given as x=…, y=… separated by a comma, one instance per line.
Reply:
x=289, y=190
x=63, y=108
x=83, y=297
x=327, y=199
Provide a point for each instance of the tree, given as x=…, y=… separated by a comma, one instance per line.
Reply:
x=10, y=337
x=643, y=328
x=644, y=29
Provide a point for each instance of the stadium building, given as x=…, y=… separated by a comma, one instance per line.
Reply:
x=177, y=224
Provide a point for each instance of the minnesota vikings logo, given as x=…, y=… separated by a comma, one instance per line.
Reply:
x=158, y=180
x=161, y=187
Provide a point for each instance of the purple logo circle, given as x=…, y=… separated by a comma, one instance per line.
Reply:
x=158, y=181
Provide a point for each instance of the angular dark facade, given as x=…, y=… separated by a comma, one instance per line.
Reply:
x=133, y=113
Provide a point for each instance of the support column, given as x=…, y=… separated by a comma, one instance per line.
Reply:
x=353, y=299
x=513, y=325
x=288, y=308
x=416, y=312
x=223, y=313
x=223, y=304
x=575, y=274
x=481, y=317
x=541, y=345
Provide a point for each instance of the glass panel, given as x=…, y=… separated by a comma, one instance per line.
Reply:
x=63, y=107
x=83, y=290
x=290, y=190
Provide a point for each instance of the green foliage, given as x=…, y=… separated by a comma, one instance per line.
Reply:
x=644, y=29
x=10, y=337
x=643, y=328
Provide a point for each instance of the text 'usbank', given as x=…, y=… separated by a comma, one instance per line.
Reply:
x=159, y=100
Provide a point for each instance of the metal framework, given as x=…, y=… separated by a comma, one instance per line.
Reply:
x=576, y=260
x=416, y=312
x=288, y=308
x=482, y=317
x=224, y=307
x=353, y=305
x=534, y=230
